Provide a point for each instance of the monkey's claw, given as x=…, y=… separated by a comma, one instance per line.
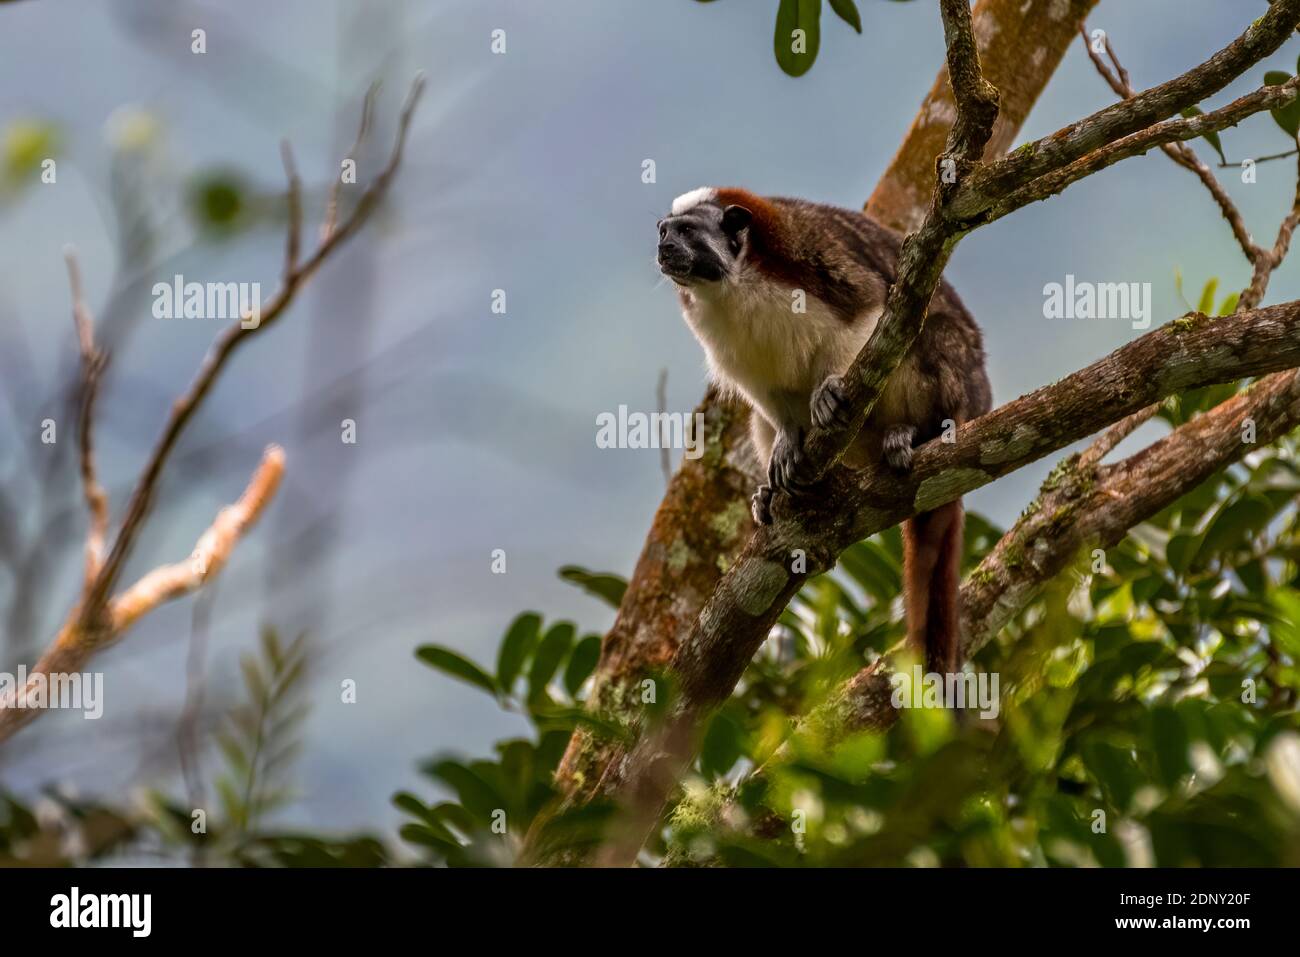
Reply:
x=760, y=505
x=897, y=446
x=786, y=472
x=829, y=405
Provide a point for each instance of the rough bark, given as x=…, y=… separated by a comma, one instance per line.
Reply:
x=700, y=526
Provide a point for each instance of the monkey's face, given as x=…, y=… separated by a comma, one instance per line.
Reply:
x=702, y=244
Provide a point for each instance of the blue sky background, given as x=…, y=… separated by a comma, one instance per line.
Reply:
x=476, y=431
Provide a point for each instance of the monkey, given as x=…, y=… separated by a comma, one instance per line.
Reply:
x=782, y=294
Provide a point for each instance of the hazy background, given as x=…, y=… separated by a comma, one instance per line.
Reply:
x=475, y=431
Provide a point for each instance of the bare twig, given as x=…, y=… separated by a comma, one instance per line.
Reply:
x=92, y=366
x=1105, y=443
x=1269, y=259
x=210, y=554
x=293, y=236
x=332, y=205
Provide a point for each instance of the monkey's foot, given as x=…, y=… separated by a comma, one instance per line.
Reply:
x=760, y=505
x=787, y=470
x=898, y=446
x=829, y=405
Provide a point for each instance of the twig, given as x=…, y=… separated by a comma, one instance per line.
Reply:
x=1269, y=260
x=1228, y=164
x=210, y=553
x=332, y=204
x=293, y=236
x=92, y=367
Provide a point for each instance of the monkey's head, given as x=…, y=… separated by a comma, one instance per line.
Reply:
x=702, y=239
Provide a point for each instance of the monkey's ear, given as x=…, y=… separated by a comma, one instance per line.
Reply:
x=735, y=218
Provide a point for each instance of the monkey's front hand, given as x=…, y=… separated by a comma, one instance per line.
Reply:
x=787, y=470
x=829, y=406
x=898, y=446
x=760, y=505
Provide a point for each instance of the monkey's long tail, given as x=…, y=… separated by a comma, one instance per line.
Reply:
x=932, y=545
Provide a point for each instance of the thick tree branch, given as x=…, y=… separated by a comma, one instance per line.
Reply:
x=987, y=186
x=1136, y=144
x=1083, y=505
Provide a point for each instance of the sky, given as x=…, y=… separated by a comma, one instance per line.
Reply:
x=476, y=430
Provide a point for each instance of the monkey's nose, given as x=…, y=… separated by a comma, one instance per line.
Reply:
x=668, y=248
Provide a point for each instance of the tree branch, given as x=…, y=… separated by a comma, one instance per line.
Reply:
x=1083, y=505
x=99, y=620
x=997, y=180
x=73, y=647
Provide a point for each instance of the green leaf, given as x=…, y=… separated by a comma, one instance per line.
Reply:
x=1287, y=117
x=582, y=662
x=1234, y=525
x=1180, y=551
x=798, y=35
x=456, y=665
x=515, y=647
x=1285, y=628
x=606, y=586
x=554, y=646
x=847, y=11
x=1169, y=738
x=1206, y=305
x=1212, y=137
x=723, y=745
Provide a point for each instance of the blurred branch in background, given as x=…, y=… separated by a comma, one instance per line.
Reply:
x=99, y=619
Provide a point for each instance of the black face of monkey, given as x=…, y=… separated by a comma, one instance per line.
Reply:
x=701, y=244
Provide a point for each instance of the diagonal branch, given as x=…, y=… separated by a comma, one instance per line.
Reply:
x=1083, y=505
x=988, y=185
x=72, y=648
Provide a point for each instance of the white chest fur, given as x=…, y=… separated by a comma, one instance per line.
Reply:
x=770, y=344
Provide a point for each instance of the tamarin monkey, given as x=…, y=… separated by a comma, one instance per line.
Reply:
x=782, y=294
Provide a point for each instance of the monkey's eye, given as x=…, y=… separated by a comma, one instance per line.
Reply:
x=663, y=230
